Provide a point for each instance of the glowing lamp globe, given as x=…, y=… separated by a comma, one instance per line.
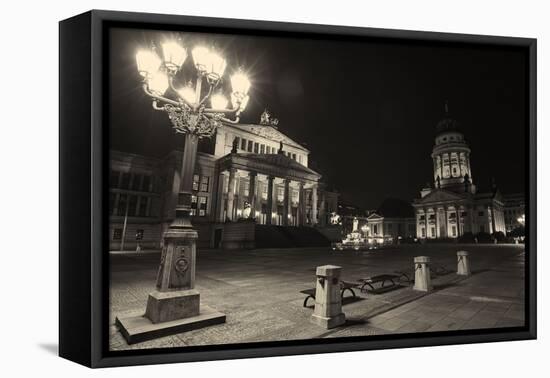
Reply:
x=147, y=62
x=216, y=66
x=158, y=83
x=218, y=101
x=201, y=57
x=240, y=84
x=174, y=55
x=187, y=93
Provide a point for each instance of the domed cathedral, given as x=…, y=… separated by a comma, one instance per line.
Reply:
x=452, y=207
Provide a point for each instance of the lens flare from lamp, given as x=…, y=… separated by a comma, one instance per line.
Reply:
x=147, y=62
x=240, y=83
x=201, y=57
x=187, y=93
x=158, y=83
x=218, y=101
x=174, y=55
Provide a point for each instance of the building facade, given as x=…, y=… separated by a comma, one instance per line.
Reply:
x=514, y=211
x=393, y=221
x=453, y=207
x=254, y=174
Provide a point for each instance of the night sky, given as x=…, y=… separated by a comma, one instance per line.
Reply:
x=367, y=110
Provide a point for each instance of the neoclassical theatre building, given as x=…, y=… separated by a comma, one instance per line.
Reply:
x=453, y=206
x=254, y=175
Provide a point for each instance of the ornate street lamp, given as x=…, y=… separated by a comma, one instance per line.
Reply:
x=196, y=112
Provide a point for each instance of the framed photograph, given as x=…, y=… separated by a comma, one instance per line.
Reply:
x=233, y=188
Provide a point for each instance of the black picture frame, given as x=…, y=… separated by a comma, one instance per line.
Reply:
x=83, y=271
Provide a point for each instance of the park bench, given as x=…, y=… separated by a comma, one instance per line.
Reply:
x=383, y=279
x=344, y=286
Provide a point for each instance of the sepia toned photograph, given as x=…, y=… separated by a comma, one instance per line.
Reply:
x=285, y=188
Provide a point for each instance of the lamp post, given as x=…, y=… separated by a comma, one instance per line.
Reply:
x=195, y=110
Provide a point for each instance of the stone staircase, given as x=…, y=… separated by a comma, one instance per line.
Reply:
x=267, y=236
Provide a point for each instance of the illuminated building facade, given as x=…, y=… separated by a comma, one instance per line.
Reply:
x=252, y=175
x=453, y=207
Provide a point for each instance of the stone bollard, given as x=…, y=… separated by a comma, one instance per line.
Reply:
x=422, y=278
x=328, y=301
x=463, y=264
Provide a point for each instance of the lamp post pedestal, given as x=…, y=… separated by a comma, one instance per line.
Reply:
x=174, y=306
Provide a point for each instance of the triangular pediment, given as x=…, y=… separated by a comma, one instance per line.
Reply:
x=440, y=195
x=374, y=216
x=269, y=132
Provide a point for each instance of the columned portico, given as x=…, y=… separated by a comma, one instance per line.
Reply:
x=274, y=186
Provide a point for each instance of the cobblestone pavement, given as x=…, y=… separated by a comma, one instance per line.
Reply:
x=259, y=293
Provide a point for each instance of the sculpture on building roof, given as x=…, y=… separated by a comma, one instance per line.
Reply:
x=267, y=120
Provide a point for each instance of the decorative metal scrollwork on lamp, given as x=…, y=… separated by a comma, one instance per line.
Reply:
x=189, y=110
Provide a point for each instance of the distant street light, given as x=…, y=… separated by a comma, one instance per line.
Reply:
x=521, y=220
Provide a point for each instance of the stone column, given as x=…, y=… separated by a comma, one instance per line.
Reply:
x=252, y=176
x=493, y=221
x=437, y=226
x=259, y=199
x=467, y=163
x=458, y=222
x=220, y=197
x=314, y=205
x=269, y=215
x=286, y=202
x=301, y=205
x=328, y=301
x=463, y=265
x=231, y=194
x=322, y=213
x=446, y=222
x=422, y=278
x=441, y=166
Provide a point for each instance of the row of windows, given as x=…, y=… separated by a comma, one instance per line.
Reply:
x=130, y=181
x=451, y=215
x=131, y=205
x=259, y=148
x=201, y=183
x=199, y=205
x=433, y=235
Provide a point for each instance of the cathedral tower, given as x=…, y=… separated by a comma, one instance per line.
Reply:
x=451, y=157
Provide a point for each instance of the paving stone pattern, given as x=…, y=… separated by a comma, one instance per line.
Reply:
x=259, y=291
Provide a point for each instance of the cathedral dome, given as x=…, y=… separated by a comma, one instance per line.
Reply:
x=447, y=124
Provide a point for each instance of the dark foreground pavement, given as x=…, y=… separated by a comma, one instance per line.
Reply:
x=259, y=292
